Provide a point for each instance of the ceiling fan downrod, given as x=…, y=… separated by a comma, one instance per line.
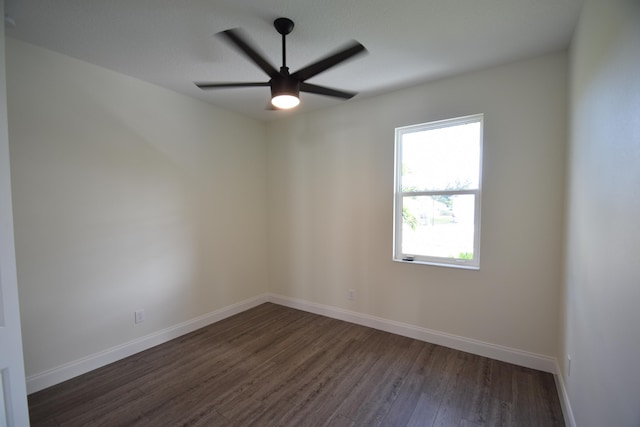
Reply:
x=284, y=26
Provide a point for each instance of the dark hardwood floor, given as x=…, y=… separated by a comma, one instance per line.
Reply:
x=275, y=366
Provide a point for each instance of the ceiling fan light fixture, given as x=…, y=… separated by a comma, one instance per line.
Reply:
x=285, y=93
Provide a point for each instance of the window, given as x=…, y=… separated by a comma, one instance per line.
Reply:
x=437, y=192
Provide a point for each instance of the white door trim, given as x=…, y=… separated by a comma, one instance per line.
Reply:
x=13, y=393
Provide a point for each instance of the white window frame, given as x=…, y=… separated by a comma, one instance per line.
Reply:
x=473, y=264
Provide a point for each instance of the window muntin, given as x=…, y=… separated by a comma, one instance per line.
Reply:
x=437, y=195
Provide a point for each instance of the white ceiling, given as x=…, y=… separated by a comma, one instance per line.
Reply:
x=171, y=43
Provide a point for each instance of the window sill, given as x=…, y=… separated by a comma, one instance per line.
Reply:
x=439, y=264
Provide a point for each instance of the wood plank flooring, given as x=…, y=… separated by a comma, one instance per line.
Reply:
x=276, y=366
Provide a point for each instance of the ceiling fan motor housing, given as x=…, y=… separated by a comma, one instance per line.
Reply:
x=284, y=85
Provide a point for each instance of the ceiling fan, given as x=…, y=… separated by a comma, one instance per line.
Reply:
x=285, y=87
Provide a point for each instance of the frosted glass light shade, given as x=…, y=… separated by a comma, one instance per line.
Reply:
x=285, y=101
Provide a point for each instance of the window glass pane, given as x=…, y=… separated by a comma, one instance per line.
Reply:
x=445, y=158
x=438, y=226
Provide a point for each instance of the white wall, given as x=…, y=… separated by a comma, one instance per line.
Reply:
x=331, y=196
x=126, y=196
x=600, y=328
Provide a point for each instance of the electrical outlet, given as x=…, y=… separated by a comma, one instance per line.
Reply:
x=568, y=365
x=139, y=316
x=352, y=294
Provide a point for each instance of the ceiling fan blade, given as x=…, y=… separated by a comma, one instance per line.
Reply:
x=329, y=61
x=323, y=90
x=236, y=38
x=223, y=85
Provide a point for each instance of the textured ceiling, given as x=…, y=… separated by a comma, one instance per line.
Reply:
x=171, y=43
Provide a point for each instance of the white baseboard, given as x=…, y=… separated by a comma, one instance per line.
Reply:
x=569, y=419
x=77, y=367
x=481, y=348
